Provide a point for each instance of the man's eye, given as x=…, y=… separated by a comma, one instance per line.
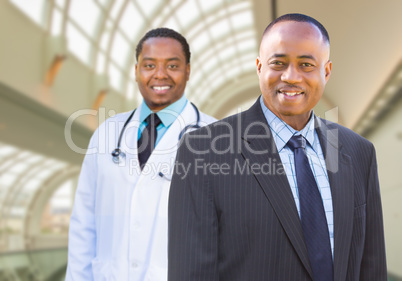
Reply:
x=173, y=66
x=306, y=64
x=149, y=66
x=277, y=63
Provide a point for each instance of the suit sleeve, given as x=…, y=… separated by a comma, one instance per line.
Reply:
x=373, y=265
x=82, y=237
x=192, y=219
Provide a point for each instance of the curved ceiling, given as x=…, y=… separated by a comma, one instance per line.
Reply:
x=224, y=35
x=25, y=176
x=103, y=34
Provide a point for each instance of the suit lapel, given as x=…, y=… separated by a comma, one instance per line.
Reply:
x=260, y=150
x=340, y=174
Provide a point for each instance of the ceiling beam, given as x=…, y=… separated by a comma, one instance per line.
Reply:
x=27, y=124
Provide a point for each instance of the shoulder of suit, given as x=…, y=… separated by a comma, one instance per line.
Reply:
x=216, y=126
x=207, y=118
x=345, y=133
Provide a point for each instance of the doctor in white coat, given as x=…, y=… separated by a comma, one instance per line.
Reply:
x=118, y=228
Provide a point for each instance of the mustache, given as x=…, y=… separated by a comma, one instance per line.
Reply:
x=290, y=87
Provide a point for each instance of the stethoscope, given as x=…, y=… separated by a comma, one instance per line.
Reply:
x=118, y=155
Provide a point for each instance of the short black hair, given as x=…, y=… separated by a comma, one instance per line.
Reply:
x=299, y=18
x=163, y=32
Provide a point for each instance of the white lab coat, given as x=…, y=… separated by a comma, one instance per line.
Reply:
x=118, y=228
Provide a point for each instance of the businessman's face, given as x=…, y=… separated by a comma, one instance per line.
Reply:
x=293, y=68
x=161, y=72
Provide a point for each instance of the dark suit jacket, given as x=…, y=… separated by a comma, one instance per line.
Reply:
x=232, y=215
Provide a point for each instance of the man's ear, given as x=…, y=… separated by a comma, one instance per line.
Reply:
x=328, y=70
x=259, y=65
x=136, y=66
x=188, y=71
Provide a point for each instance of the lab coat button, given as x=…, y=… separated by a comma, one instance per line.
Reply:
x=134, y=265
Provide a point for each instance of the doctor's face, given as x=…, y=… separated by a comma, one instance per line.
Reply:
x=293, y=68
x=161, y=72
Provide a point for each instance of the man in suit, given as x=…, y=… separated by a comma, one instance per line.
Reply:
x=118, y=227
x=276, y=193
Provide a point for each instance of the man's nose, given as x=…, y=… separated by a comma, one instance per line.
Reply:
x=291, y=75
x=160, y=72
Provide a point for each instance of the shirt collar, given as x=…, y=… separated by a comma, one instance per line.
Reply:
x=166, y=115
x=282, y=132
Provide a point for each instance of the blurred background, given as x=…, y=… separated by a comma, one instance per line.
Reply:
x=67, y=65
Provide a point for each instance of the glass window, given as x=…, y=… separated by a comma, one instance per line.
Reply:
x=131, y=22
x=139, y=98
x=200, y=42
x=172, y=23
x=101, y=63
x=7, y=180
x=161, y=18
x=56, y=214
x=103, y=2
x=246, y=35
x=149, y=6
x=45, y=173
x=120, y=49
x=32, y=8
x=208, y=5
x=210, y=64
x=18, y=168
x=246, y=45
x=57, y=22
x=195, y=77
x=105, y=39
x=174, y=3
x=220, y=28
x=117, y=6
x=60, y=3
x=78, y=44
x=227, y=53
x=32, y=185
x=248, y=61
x=132, y=73
x=242, y=19
x=6, y=151
x=130, y=91
x=240, y=6
x=217, y=82
x=17, y=212
x=187, y=13
x=115, y=77
x=233, y=71
x=85, y=14
x=33, y=159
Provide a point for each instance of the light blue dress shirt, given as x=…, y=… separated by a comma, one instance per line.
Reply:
x=167, y=115
x=281, y=133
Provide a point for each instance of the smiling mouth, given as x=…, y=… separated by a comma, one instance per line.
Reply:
x=161, y=89
x=290, y=94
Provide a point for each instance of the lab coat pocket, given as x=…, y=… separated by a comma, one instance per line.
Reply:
x=103, y=270
x=164, y=199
